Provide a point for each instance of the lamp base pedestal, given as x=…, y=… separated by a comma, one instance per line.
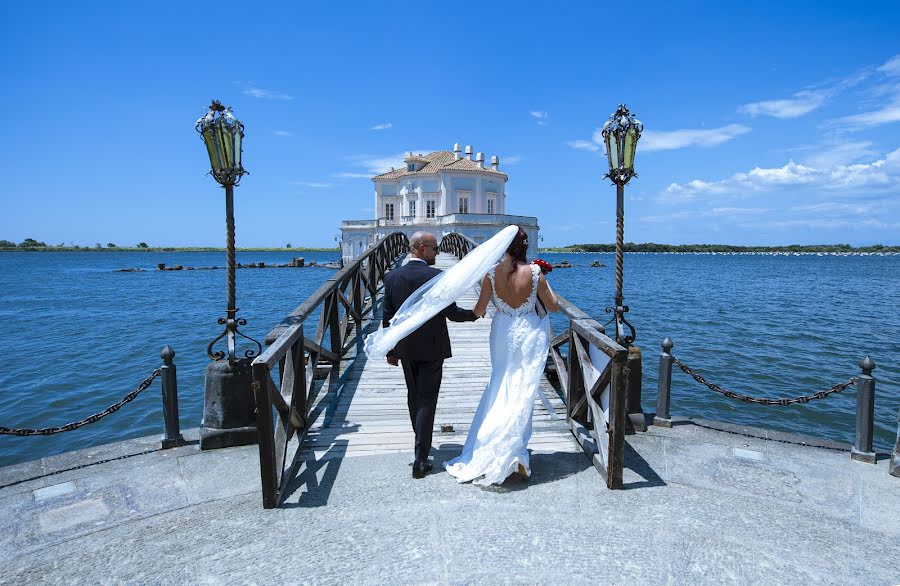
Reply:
x=229, y=406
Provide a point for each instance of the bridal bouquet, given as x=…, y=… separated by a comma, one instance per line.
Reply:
x=545, y=266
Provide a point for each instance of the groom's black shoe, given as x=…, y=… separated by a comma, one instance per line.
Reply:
x=420, y=469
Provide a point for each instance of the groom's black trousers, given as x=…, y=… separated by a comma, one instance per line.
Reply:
x=423, y=382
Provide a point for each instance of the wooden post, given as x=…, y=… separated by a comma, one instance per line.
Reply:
x=865, y=412
x=266, y=440
x=617, y=389
x=664, y=387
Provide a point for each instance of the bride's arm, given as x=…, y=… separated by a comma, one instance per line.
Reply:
x=545, y=294
x=481, y=305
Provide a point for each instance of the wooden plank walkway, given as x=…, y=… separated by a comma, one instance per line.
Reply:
x=371, y=416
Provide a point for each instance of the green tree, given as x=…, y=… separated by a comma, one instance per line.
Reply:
x=7, y=244
x=142, y=245
x=288, y=245
x=111, y=245
x=31, y=243
x=98, y=245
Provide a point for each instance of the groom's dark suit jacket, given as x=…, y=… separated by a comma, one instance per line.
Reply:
x=431, y=341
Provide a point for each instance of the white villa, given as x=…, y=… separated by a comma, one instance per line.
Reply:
x=441, y=192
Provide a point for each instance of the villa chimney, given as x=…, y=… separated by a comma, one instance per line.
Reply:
x=469, y=152
x=495, y=163
x=408, y=154
x=456, y=150
x=479, y=158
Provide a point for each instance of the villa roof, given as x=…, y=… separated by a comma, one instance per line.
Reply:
x=438, y=161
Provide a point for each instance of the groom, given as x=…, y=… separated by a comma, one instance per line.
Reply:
x=422, y=353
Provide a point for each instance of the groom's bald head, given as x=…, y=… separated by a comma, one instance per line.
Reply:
x=423, y=245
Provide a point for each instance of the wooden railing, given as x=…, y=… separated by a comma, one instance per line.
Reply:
x=592, y=372
x=457, y=244
x=345, y=300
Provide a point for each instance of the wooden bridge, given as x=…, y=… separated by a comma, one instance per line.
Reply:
x=316, y=403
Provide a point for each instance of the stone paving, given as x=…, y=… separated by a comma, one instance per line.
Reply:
x=700, y=506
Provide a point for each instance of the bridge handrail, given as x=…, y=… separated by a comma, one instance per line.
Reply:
x=346, y=298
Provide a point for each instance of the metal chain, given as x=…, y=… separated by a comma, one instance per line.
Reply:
x=762, y=400
x=90, y=419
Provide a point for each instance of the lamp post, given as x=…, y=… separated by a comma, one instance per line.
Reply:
x=228, y=417
x=620, y=134
x=223, y=134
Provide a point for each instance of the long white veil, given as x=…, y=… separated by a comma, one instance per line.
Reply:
x=435, y=295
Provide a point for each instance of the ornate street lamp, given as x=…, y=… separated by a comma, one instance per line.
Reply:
x=620, y=134
x=223, y=133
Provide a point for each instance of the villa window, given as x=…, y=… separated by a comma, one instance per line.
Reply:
x=429, y=208
x=464, y=205
x=389, y=211
x=411, y=167
x=490, y=206
x=412, y=209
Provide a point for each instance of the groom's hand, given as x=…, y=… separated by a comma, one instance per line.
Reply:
x=392, y=360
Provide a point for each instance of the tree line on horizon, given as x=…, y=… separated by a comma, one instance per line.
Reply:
x=654, y=247
x=38, y=245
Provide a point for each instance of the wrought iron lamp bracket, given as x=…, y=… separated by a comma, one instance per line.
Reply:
x=619, y=317
x=230, y=333
x=621, y=176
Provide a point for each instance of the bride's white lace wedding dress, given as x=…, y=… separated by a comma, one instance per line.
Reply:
x=498, y=439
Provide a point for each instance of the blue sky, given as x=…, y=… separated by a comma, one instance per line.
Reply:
x=766, y=122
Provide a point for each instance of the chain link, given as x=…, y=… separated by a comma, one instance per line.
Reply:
x=90, y=419
x=761, y=400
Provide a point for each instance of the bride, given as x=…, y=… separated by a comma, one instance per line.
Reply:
x=496, y=446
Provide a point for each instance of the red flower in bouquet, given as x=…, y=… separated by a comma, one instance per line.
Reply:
x=545, y=266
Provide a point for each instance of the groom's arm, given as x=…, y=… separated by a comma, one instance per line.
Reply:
x=455, y=313
x=388, y=310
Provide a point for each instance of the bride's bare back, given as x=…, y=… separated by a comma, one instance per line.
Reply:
x=514, y=286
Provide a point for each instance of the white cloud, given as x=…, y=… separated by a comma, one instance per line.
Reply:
x=892, y=66
x=265, y=94
x=511, y=160
x=885, y=115
x=540, y=116
x=382, y=126
x=377, y=164
x=832, y=154
x=800, y=103
x=314, y=184
x=717, y=212
x=348, y=175
x=678, y=139
x=879, y=174
x=583, y=145
x=283, y=133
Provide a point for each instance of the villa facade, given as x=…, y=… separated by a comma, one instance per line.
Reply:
x=441, y=192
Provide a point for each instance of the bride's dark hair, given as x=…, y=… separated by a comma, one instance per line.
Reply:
x=517, y=249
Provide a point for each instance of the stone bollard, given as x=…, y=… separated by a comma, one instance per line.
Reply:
x=894, y=467
x=173, y=437
x=633, y=412
x=664, y=386
x=865, y=412
x=229, y=417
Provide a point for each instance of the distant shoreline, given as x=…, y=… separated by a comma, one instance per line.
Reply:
x=652, y=247
x=158, y=249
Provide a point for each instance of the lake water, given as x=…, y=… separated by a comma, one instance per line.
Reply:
x=78, y=336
